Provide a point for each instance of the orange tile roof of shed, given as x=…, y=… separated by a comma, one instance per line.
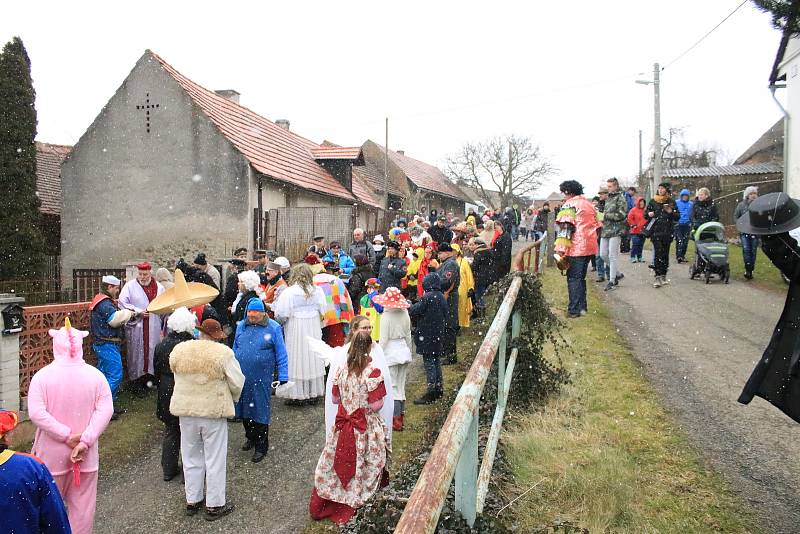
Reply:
x=270, y=149
x=337, y=152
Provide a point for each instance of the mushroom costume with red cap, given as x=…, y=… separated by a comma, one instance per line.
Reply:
x=144, y=332
x=395, y=340
x=70, y=403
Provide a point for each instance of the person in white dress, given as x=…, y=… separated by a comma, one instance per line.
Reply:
x=300, y=307
x=396, y=344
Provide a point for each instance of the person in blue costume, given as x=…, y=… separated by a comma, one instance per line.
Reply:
x=259, y=347
x=107, y=321
x=29, y=499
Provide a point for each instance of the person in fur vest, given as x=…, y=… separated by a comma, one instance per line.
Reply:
x=208, y=380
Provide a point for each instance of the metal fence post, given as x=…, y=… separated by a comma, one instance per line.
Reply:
x=516, y=324
x=467, y=474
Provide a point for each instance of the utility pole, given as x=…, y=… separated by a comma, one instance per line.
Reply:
x=510, y=182
x=657, y=138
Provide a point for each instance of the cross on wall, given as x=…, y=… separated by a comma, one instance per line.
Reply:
x=147, y=107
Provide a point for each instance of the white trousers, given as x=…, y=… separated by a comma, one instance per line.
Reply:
x=204, y=450
x=399, y=373
x=609, y=251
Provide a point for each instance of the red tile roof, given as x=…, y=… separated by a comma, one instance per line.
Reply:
x=338, y=152
x=270, y=149
x=426, y=176
x=48, y=176
x=362, y=191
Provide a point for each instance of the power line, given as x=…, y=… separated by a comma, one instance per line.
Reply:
x=706, y=35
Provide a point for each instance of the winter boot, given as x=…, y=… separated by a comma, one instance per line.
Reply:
x=428, y=398
x=397, y=423
x=438, y=392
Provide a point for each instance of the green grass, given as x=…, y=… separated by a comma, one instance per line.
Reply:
x=604, y=455
x=126, y=438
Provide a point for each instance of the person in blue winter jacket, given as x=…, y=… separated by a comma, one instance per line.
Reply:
x=259, y=347
x=336, y=257
x=683, y=228
x=29, y=499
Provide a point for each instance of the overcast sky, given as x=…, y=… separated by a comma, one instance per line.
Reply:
x=443, y=72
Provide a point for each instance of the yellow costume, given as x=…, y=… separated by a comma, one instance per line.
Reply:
x=467, y=283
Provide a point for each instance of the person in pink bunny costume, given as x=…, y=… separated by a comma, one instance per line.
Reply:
x=70, y=403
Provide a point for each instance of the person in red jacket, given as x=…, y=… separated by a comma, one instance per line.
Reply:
x=637, y=222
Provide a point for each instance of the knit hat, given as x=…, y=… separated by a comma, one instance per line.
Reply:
x=749, y=189
x=201, y=259
x=8, y=421
x=255, y=305
x=144, y=266
x=445, y=247
x=666, y=185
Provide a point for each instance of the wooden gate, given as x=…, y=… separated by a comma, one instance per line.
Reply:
x=290, y=231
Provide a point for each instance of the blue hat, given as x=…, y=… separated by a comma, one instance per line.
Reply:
x=255, y=304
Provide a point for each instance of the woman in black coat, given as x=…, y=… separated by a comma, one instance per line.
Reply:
x=356, y=286
x=171, y=443
x=430, y=313
x=703, y=210
x=502, y=252
x=663, y=211
x=483, y=270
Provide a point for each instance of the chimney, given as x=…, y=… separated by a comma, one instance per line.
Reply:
x=283, y=123
x=230, y=94
x=401, y=152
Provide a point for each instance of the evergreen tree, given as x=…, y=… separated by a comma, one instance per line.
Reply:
x=21, y=243
x=784, y=13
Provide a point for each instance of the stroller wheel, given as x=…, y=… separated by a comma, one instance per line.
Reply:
x=708, y=277
x=727, y=275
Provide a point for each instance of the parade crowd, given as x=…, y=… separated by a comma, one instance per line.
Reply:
x=341, y=325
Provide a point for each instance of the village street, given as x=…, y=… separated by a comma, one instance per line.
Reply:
x=698, y=344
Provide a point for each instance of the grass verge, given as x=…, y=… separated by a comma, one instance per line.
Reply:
x=604, y=455
x=126, y=438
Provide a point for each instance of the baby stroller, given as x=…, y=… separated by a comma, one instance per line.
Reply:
x=712, y=253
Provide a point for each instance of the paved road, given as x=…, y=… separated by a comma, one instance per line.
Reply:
x=698, y=344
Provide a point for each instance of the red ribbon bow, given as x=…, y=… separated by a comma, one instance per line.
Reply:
x=344, y=462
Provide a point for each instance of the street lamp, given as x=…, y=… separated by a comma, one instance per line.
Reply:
x=656, y=82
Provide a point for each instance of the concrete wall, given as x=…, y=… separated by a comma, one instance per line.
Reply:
x=129, y=194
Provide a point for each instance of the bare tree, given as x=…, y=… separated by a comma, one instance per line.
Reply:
x=512, y=165
x=676, y=153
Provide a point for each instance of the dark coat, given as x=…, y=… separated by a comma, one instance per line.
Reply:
x=441, y=235
x=164, y=376
x=430, y=312
x=231, y=290
x=703, y=211
x=379, y=255
x=502, y=255
x=241, y=307
x=356, y=286
x=665, y=222
x=392, y=271
x=776, y=377
x=450, y=275
x=483, y=268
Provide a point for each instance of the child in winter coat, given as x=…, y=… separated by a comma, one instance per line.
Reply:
x=431, y=312
x=396, y=344
x=637, y=222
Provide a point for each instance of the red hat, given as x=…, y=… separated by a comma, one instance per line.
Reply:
x=392, y=298
x=405, y=236
x=311, y=259
x=8, y=421
x=144, y=266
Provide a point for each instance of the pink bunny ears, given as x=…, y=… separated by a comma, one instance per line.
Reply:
x=68, y=341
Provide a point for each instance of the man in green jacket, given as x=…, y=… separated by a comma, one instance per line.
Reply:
x=614, y=225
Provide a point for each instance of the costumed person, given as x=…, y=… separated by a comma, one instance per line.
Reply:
x=773, y=219
x=300, y=308
x=260, y=349
x=249, y=288
x=338, y=308
x=430, y=313
x=370, y=309
x=208, y=381
x=380, y=252
x=450, y=275
x=412, y=274
x=466, y=288
x=428, y=265
x=29, y=499
x=180, y=327
x=70, y=403
x=397, y=347
x=275, y=282
x=164, y=277
x=576, y=239
x=354, y=463
x=106, y=325
x=142, y=334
